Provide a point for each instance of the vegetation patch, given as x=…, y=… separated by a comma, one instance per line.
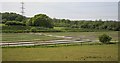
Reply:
x=71, y=53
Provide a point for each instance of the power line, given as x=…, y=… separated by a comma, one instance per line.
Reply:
x=22, y=8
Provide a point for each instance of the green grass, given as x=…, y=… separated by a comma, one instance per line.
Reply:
x=87, y=35
x=59, y=28
x=60, y=52
x=70, y=53
x=33, y=37
x=69, y=29
x=14, y=37
x=2, y=24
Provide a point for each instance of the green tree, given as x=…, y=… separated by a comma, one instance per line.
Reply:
x=105, y=38
x=10, y=16
x=41, y=20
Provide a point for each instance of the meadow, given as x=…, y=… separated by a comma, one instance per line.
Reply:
x=68, y=53
x=88, y=35
x=89, y=52
x=15, y=37
x=24, y=37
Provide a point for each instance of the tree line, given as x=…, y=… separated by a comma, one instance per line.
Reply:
x=98, y=24
x=42, y=20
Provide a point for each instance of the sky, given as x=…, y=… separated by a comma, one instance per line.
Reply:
x=59, y=0
x=67, y=10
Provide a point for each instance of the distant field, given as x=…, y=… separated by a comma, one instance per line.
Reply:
x=69, y=53
x=14, y=37
x=87, y=35
x=33, y=37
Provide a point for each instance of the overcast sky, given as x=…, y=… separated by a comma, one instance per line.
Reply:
x=59, y=0
x=68, y=10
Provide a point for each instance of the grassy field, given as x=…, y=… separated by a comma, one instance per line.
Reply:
x=87, y=35
x=69, y=53
x=62, y=53
x=14, y=37
x=33, y=37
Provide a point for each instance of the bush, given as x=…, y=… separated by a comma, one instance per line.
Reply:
x=33, y=29
x=105, y=39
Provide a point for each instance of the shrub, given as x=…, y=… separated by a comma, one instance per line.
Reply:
x=105, y=39
x=33, y=29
